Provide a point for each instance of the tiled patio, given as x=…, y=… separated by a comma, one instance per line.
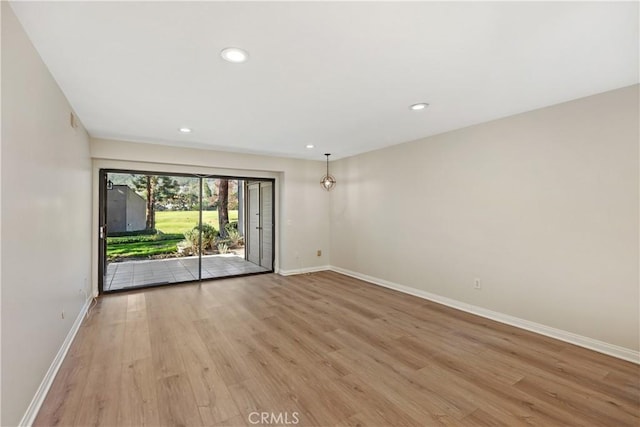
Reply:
x=128, y=274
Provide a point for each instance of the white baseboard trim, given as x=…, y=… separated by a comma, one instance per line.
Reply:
x=33, y=408
x=582, y=341
x=304, y=270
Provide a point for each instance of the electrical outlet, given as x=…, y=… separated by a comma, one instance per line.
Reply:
x=319, y=253
x=477, y=284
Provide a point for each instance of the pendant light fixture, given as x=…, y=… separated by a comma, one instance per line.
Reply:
x=328, y=181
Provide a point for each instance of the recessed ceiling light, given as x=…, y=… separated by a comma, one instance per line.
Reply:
x=420, y=106
x=310, y=146
x=185, y=130
x=234, y=54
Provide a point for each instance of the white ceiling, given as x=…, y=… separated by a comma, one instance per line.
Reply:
x=337, y=75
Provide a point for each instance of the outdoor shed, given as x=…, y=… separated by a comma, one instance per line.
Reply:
x=126, y=210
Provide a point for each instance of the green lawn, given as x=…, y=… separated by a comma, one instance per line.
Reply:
x=142, y=249
x=170, y=225
x=181, y=221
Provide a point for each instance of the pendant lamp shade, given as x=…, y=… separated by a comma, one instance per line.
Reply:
x=328, y=181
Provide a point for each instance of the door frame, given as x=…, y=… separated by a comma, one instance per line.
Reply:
x=102, y=216
x=102, y=238
x=273, y=219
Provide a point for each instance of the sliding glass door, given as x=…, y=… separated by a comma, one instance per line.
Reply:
x=158, y=229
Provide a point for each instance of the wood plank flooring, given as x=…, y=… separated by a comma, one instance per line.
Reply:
x=324, y=350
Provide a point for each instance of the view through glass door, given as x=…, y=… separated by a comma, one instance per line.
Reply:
x=159, y=229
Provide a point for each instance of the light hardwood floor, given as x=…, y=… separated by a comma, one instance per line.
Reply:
x=327, y=350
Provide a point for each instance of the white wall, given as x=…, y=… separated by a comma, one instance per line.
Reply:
x=46, y=219
x=542, y=207
x=302, y=207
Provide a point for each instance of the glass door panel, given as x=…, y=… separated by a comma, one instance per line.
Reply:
x=158, y=229
x=150, y=223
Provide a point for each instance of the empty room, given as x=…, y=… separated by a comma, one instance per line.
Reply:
x=320, y=213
